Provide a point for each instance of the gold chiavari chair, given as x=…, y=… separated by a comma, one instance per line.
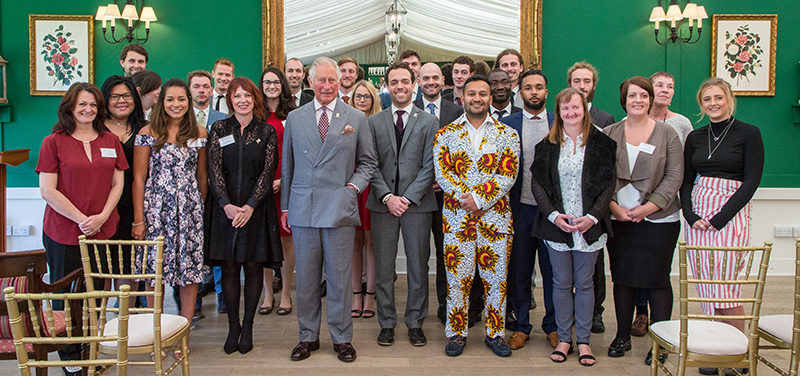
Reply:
x=700, y=339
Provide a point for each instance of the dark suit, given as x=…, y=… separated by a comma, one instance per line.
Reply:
x=514, y=110
x=405, y=168
x=601, y=118
x=449, y=96
x=447, y=114
x=305, y=97
x=525, y=246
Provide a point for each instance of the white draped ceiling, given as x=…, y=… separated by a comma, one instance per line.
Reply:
x=438, y=29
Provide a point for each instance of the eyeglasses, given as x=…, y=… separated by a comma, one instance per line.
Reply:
x=116, y=97
x=359, y=97
x=268, y=83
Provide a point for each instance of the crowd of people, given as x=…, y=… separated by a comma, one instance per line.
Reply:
x=314, y=168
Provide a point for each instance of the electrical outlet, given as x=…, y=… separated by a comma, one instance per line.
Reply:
x=23, y=230
x=796, y=231
x=8, y=230
x=784, y=232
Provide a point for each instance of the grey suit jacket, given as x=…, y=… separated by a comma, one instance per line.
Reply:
x=214, y=116
x=601, y=118
x=448, y=113
x=414, y=159
x=314, y=175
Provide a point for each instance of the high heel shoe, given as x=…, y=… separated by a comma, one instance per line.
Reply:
x=586, y=356
x=561, y=354
x=232, y=342
x=267, y=310
x=368, y=313
x=354, y=313
x=246, y=338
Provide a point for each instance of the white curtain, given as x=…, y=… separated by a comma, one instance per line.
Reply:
x=439, y=30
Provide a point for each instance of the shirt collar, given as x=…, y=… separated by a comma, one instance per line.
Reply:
x=407, y=109
x=463, y=119
x=437, y=102
x=330, y=106
x=529, y=115
x=507, y=108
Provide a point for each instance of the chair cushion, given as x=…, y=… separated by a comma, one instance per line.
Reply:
x=140, y=329
x=778, y=325
x=7, y=344
x=705, y=337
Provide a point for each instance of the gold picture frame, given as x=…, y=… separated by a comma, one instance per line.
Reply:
x=272, y=36
x=743, y=52
x=61, y=52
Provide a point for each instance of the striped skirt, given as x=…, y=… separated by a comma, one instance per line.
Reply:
x=709, y=195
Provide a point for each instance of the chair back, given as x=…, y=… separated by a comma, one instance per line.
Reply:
x=736, y=266
x=87, y=333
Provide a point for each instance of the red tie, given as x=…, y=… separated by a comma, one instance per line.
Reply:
x=323, y=123
x=458, y=101
x=346, y=99
x=535, y=117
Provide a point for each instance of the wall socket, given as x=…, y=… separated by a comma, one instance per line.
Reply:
x=784, y=231
x=20, y=230
x=796, y=231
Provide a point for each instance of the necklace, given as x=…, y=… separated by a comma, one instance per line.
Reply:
x=719, y=138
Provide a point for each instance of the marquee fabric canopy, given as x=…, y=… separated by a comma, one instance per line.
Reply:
x=439, y=30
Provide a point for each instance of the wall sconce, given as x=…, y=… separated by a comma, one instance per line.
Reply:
x=674, y=15
x=131, y=19
x=4, y=68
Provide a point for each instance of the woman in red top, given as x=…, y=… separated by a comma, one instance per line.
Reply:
x=277, y=103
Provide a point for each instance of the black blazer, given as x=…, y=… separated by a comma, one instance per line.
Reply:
x=597, y=186
x=447, y=114
x=601, y=118
x=305, y=97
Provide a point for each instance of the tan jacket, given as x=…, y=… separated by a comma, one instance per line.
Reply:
x=657, y=176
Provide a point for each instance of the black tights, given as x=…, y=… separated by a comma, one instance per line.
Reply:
x=231, y=287
x=625, y=301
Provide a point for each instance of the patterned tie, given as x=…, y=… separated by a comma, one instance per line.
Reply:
x=399, y=123
x=346, y=99
x=201, y=119
x=432, y=108
x=219, y=99
x=323, y=123
x=499, y=114
x=458, y=101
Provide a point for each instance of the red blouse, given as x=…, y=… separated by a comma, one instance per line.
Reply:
x=278, y=125
x=85, y=184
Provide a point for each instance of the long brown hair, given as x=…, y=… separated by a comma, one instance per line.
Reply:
x=66, y=118
x=258, y=104
x=556, y=133
x=285, y=101
x=159, y=120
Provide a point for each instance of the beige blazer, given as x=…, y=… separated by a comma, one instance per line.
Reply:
x=657, y=176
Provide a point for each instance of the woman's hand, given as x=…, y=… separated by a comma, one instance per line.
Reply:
x=562, y=221
x=276, y=185
x=231, y=211
x=638, y=213
x=703, y=225
x=583, y=224
x=242, y=216
x=92, y=224
x=138, y=231
x=620, y=213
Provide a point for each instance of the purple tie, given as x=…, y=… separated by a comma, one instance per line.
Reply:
x=399, y=123
x=535, y=117
x=323, y=123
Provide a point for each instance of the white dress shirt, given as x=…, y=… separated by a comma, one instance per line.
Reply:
x=493, y=110
x=437, y=106
x=223, y=104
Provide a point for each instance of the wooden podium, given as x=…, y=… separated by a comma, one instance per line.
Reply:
x=13, y=158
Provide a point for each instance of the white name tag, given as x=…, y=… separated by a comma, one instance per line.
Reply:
x=108, y=152
x=647, y=148
x=194, y=143
x=227, y=140
x=489, y=149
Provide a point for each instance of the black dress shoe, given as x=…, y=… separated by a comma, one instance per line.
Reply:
x=728, y=371
x=662, y=357
x=417, y=337
x=303, y=350
x=323, y=289
x=442, y=313
x=386, y=337
x=618, y=347
x=472, y=318
x=346, y=351
x=597, y=324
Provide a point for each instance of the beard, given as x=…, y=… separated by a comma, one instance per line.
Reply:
x=590, y=96
x=531, y=106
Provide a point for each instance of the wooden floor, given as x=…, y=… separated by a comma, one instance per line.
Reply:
x=275, y=336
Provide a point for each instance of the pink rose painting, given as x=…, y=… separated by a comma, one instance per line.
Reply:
x=742, y=51
x=58, y=52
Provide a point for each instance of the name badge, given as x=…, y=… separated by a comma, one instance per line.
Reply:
x=227, y=140
x=647, y=148
x=194, y=143
x=489, y=149
x=108, y=152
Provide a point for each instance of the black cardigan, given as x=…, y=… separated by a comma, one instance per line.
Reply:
x=597, y=185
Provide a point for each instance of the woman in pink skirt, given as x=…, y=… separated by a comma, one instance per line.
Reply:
x=723, y=165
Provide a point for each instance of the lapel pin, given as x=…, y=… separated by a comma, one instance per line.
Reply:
x=337, y=114
x=258, y=141
x=415, y=114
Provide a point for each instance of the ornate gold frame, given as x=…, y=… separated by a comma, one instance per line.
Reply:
x=32, y=18
x=773, y=39
x=272, y=32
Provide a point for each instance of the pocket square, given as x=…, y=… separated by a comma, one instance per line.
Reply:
x=348, y=129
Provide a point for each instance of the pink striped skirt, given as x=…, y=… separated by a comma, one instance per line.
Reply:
x=709, y=195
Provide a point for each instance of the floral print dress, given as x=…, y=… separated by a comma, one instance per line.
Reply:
x=173, y=208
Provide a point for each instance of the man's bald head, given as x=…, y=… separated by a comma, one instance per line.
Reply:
x=431, y=81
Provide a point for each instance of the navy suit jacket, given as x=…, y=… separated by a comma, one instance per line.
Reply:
x=515, y=121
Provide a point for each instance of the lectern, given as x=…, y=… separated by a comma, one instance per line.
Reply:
x=12, y=158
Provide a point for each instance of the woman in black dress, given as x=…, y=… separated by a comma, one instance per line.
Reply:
x=124, y=118
x=241, y=213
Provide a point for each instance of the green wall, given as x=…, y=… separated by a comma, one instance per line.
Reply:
x=613, y=36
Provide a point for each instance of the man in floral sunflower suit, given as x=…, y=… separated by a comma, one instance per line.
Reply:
x=476, y=161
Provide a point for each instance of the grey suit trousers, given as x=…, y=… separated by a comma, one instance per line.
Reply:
x=334, y=247
x=416, y=239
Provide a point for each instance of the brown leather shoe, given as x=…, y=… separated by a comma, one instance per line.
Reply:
x=347, y=353
x=553, y=338
x=303, y=350
x=639, y=327
x=517, y=340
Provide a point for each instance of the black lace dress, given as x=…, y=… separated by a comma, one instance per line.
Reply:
x=241, y=173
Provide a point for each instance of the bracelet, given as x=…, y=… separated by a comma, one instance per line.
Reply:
x=138, y=224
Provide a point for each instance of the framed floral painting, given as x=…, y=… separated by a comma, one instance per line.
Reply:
x=743, y=52
x=61, y=52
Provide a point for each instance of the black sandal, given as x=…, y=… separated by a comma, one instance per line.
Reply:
x=355, y=313
x=586, y=356
x=368, y=313
x=561, y=354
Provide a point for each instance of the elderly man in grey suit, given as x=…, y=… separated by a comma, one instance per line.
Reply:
x=322, y=143
x=402, y=197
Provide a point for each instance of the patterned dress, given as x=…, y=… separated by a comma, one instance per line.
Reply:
x=173, y=208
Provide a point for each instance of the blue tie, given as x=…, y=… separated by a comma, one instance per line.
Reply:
x=432, y=108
